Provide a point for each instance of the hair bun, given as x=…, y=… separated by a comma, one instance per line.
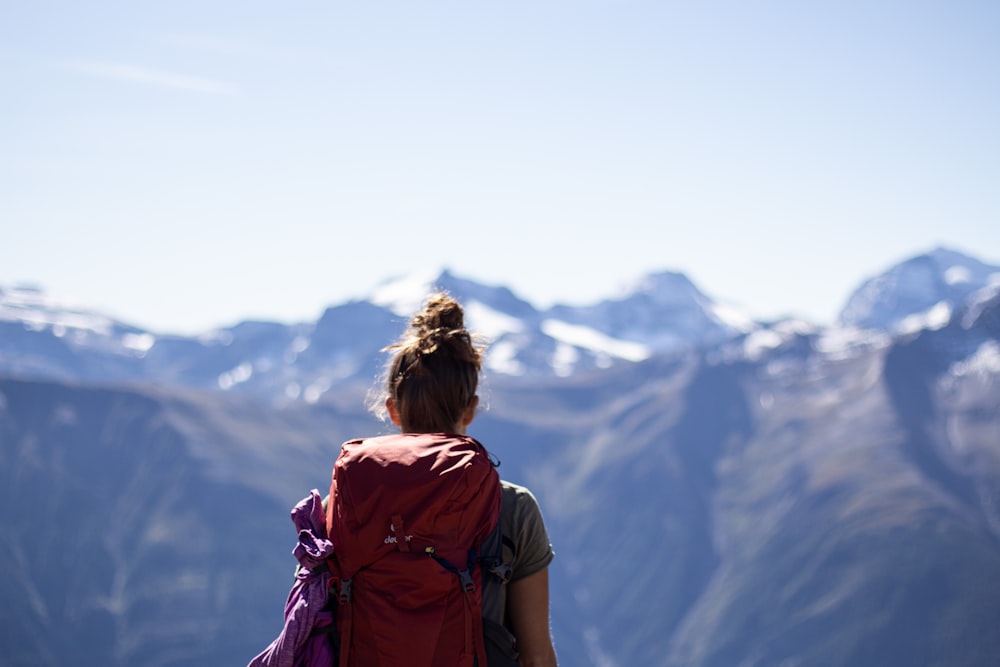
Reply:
x=441, y=326
x=441, y=312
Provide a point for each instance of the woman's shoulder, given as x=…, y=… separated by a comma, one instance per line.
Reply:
x=515, y=494
x=519, y=504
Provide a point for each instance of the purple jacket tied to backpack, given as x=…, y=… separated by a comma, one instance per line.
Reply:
x=307, y=640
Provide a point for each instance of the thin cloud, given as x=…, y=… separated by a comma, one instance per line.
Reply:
x=153, y=77
x=234, y=48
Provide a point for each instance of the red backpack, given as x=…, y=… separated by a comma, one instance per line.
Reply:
x=407, y=516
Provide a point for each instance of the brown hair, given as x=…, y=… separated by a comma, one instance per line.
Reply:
x=433, y=375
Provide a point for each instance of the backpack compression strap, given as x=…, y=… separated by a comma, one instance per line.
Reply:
x=474, y=641
x=344, y=621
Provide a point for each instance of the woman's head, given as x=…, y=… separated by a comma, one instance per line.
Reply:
x=432, y=377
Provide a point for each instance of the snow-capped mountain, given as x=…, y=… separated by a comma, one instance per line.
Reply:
x=919, y=292
x=662, y=314
x=41, y=336
x=665, y=313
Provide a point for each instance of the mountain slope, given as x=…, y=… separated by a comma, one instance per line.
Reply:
x=800, y=507
x=138, y=527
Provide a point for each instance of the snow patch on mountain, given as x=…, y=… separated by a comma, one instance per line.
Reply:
x=564, y=359
x=978, y=302
x=222, y=337
x=140, y=343
x=985, y=360
x=732, y=317
x=501, y=358
x=236, y=376
x=934, y=318
x=38, y=311
x=490, y=322
x=405, y=295
x=760, y=342
x=847, y=342
x=595, y=341
x=298, y=345
x=955, y=275
x=764, y=339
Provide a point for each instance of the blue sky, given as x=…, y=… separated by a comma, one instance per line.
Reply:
x=189, y=164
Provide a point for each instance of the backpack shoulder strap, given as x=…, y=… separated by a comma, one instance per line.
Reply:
x=491, y=553
x=496, y=573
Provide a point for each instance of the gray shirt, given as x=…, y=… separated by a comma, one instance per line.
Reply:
x=524, y=527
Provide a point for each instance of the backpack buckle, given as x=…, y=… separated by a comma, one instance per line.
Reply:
x=345, y=591
x=502, y=571
x=465, y=580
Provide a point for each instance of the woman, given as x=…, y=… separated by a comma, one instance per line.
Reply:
x=430, y=389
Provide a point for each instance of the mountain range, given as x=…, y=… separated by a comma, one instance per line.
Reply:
x=719, y=491
x=663, y=313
